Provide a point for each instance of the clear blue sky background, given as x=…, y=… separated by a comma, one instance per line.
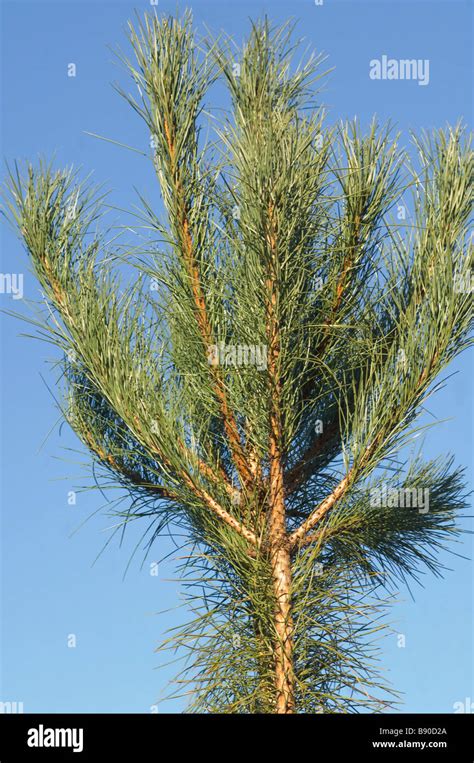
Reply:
x=50, y=588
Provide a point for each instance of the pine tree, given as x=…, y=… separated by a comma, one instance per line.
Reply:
x=262, y=396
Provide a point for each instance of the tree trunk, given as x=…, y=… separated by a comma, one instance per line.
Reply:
x=279, y=548
x=284, y=671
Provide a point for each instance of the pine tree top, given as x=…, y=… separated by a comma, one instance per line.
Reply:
x=259, y=381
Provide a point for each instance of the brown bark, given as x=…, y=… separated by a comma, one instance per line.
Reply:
x=280, y=559
x=299, y=535
x=284, y=671
x=280, y=562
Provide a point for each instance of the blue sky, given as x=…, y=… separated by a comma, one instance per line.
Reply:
x=50, y=589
